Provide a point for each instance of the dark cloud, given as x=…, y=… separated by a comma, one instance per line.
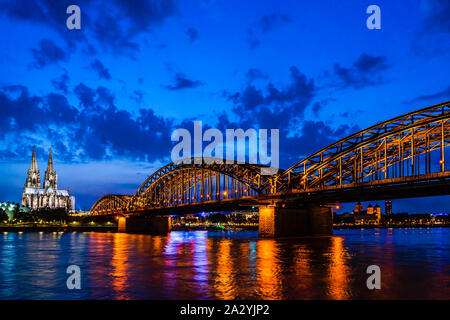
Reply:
x=364, y=72
x=272, y=21
x=192, y=34
x=437, y=96
x=265, y=24
x=61, y=83
x=254, y=73
x=366, y=63
x=101, y=70
x=316, y=108
x=283, y=108
x=115, y=27
x=273, y=107
x=98, y=130
x=297, y=94
x=431, y=38
x=47, y=53
x=22, y=113
x=137, y=96
x=85, y=95
x=313, y=136
x=437, y=17
x=48, y=13
x=181, y=82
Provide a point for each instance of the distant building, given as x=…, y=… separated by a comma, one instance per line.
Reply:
x=366, y=219
x=388, y=207
x=377, y=211
x=372, y=215
x=35, y=197
x=359, y=208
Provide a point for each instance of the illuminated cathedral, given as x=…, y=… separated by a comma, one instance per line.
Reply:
x=35, y=197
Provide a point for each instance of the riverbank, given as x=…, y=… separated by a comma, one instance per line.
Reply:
x=336, y=227
x=13, y=228
x=213, y=228
x=41, y=228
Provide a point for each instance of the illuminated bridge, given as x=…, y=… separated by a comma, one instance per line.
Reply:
x=399, y=158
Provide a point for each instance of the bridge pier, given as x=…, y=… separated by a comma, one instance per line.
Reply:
x=157, y=225
x=309, y=220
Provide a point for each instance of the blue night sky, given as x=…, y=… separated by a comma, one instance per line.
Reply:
x=107, y=97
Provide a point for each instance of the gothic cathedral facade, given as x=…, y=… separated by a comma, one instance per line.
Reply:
x=35, y=197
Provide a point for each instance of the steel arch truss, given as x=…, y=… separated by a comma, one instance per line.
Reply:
x=408, y=145
x=199, y=180
x=109, y=204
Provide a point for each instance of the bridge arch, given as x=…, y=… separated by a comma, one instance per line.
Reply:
x=200, y=180
x=109, y=204
x=391, y=149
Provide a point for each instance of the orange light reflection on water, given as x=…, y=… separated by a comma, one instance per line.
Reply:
x=119, y=263
x=338, y=287
x=268, y=270
x=224, y=283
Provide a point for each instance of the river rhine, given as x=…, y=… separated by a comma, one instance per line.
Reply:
x=414, y=263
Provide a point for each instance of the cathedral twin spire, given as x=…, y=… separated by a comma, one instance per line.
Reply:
x=33, y=177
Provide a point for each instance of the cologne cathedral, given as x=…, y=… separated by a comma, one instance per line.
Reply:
x=35, y=197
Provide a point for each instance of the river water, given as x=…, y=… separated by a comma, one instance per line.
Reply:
x=414, y=264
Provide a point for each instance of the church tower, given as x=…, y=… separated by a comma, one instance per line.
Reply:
x=33, y=177
x=51, y=177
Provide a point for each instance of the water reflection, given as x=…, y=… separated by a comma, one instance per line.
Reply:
x=338, y=286
x=119, y=263
x=224, y=283
x=268, y=270
x=221, y=265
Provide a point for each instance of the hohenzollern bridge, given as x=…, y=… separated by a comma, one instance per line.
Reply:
x=403, y=157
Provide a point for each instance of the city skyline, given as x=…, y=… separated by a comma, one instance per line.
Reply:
x=150, y=73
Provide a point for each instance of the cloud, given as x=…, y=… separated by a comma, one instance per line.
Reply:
x=313, y=136
x=431, y=38
x=192, y=34
x=181, y=82
x=61, y=83
x=24, y=114
x=101, y=70
x=364, y=72
x=90, y=132
x=264, y=25
x=117, y=29
x=297, y=94
x=85, y=95
x=114, y=28
x=440, y=95
x=253, y=74
x=283, y=108
x=272, y=21
x=47, y=53
x=272, y=107
x=366, y=63
x=137, y=96
x=437, y=16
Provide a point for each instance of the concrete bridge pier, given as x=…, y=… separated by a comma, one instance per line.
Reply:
x=276, y=221
x=156, y=225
